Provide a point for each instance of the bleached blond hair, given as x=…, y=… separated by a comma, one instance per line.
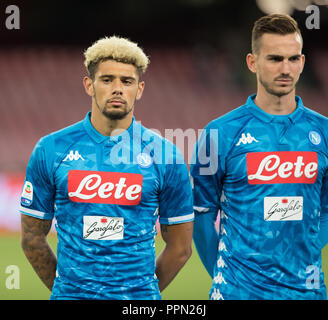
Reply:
x=117, y=49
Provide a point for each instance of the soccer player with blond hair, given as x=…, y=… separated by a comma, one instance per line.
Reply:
x=106, y=180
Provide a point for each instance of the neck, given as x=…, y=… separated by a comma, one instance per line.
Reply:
x=276, y=105
x=109, y=127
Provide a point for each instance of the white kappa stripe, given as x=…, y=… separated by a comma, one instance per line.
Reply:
x=181, y=218
x=30, y=211
x=201, y=209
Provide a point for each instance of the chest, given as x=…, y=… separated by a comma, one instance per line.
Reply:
x=276, y=154
x=97, y=175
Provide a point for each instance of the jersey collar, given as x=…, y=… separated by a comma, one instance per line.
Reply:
x=97, y=136
x=267, y=117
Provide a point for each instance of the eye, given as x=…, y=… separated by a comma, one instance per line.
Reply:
x=127, y=82
x=296, y=58
x=275, y=59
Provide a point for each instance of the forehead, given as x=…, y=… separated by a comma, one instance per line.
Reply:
x=119, y=69
x=277, y=44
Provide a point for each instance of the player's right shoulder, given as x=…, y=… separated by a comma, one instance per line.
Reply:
x=53, y=146
x=229, y=119
x=219, y=135
x=67, y=134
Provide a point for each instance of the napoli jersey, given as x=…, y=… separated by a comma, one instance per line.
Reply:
x=268, y=177
x=106, y=194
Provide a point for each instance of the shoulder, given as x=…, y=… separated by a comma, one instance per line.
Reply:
x=51, y=148
x=316, y=117
x=64, y=135
x=318, y=124
x=225, y=127
x=229, y=119
x=69, y=132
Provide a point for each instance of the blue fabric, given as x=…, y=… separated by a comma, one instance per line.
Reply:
x=106, y=194
x=267, y=174
x=206, y=240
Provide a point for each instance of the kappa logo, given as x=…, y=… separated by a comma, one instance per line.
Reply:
x=244, y=139
x=73, y=156
x=216, y=295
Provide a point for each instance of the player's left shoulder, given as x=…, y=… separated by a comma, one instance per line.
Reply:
x=316, y=117
x=146, y=134
x=317, y=125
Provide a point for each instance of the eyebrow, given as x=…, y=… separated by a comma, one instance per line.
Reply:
x=277, y=56
x=113, y=76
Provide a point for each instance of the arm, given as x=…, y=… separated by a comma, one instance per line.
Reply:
x=206, y=177
x=206, y=239
x=177, y=251
x=36, y=248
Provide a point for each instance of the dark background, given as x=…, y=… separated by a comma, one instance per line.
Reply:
x=197, y=72
x=151, y=22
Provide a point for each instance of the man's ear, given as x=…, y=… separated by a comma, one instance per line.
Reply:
x=141, y=87
x=88, y=87
x=303, y=61
x=251, y=62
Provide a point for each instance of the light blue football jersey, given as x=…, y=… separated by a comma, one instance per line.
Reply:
x=267, y=175
x=106, y=194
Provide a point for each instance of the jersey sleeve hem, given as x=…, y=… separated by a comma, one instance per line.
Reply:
x=178, y=219
x=203, y=210
x=35, y=213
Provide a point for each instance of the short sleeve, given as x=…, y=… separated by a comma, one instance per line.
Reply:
x=206, y=172
x=37, y=198
x=175, y=199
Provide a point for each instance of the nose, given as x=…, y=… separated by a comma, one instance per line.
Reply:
x=285, y=67
x=117, y=87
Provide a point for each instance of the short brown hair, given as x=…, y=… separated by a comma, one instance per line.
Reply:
x=282, y=24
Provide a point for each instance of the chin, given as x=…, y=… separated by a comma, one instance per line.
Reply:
x=115, y=114
x=284, y=93
x=281, y=92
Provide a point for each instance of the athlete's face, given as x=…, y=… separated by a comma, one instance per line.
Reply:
x=278, y=63
x=115, y=89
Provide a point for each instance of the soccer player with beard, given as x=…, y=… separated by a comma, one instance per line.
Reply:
x=106, y=180
x=267, y=174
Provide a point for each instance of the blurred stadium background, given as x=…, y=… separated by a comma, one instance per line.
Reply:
x=198, y=72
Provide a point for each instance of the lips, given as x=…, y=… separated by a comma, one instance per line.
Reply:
x=116, y=102
x=284, y=80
